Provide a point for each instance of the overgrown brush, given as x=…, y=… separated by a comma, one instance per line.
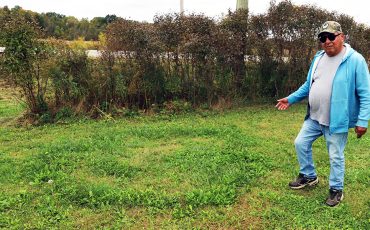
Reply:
x=172, y=64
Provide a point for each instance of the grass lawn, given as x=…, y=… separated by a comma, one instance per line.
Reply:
x=205, y=171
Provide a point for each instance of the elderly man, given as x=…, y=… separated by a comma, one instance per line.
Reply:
x=338, y=91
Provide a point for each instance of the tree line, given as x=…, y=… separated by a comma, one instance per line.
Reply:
x=60, y=26
x=178, y=62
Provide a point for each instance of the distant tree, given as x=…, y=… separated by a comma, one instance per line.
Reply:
x=71, y=32
x=98, y=25
x=60, y=26
x=110, y=18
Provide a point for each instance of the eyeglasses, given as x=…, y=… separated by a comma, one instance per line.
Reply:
x=330, y=36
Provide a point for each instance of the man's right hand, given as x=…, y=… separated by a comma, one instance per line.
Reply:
x=282, y=104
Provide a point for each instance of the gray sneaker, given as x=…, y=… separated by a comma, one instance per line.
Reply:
x=302, y=181
x=335, y=197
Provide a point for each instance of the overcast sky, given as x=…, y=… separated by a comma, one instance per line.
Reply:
x=144, y=10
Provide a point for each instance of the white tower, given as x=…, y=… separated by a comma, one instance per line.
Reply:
x=181, y=6
x=242, y=4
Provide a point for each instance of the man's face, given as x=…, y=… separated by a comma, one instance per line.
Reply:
x=334, y=47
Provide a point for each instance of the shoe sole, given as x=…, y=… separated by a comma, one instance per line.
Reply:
x=310, y=184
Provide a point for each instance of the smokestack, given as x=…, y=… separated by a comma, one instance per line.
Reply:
x=242, y=4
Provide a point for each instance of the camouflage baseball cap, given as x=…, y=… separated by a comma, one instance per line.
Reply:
x=330, y=27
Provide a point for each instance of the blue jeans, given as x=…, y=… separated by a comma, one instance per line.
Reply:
x=335, y=143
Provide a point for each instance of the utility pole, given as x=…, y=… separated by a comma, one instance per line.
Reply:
x=181, y=7
x=242, y=4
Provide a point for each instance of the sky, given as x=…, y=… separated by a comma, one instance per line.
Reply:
x=145, y=10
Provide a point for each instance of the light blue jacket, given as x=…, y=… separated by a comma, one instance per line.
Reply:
x=350, y=98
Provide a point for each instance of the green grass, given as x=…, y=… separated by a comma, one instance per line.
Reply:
x=10, y=107
x=204, y=170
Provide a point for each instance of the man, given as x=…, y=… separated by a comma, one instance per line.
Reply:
x=338, y=91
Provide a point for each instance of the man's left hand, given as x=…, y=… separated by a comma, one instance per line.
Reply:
x=360, y=131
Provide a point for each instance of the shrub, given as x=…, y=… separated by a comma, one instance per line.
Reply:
x=70, y=77
x=64, y=112
x=177, y=106
x=25, y=60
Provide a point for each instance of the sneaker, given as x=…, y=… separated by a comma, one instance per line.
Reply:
x=303, y=181
x=335, y=197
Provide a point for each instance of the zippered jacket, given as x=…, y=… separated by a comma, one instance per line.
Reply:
x=350, y=98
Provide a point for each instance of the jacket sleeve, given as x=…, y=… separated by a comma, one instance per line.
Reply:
x=363, y=92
